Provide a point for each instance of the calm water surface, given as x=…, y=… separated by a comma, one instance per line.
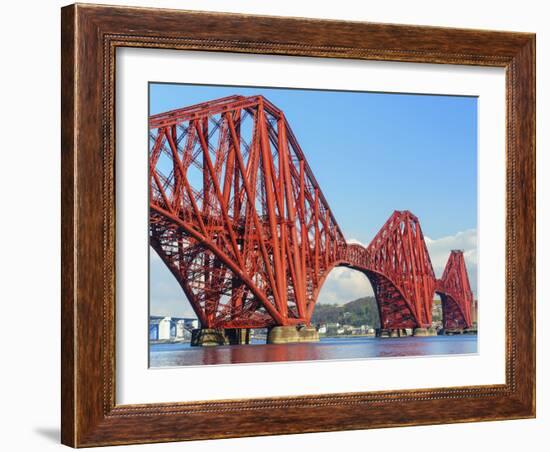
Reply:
x=182, y=354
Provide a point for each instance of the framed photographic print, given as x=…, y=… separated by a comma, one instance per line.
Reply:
x=282, y=225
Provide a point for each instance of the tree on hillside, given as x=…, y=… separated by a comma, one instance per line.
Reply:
x=362, y=311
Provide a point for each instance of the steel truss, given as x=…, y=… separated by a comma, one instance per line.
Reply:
x=238, y=217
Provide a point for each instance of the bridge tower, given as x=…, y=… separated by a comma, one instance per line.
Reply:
x=236, y=214
x=401, y=273
x=456, y=295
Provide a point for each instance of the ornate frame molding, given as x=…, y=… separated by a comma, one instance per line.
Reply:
x=90, y=36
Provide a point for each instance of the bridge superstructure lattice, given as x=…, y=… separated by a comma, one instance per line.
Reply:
x=238, y=217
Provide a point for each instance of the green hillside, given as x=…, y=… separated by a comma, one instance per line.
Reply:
x=362, y=311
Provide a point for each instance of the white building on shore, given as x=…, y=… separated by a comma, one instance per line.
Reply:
x=165, y=325
x=169, y=328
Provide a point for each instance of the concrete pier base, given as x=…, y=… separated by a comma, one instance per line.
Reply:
x=383, y=333
x=290, y=334
x=207, y=337
x=237, y=336
x=424, y=332
x=453, y=331
x=400, y=332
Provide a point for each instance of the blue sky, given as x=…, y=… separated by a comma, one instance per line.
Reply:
x=373, y=153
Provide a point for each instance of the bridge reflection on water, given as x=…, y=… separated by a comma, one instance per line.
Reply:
x=182, y=354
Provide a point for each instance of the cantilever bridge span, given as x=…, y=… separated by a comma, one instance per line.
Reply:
x=238, y=217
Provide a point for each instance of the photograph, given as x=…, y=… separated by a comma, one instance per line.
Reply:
x=292, y=224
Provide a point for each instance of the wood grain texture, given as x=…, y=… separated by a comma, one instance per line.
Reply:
x=90, y=36
x=68, y=310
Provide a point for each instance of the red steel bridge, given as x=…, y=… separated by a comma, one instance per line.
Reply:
x=237, y=216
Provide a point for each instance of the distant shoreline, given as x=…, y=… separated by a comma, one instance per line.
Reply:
x=168, y=341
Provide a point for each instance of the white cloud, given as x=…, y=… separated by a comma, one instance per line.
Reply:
x=356, y=242
x=343, y=285
x=440, y=249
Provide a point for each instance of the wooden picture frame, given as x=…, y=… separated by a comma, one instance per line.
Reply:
x=90, y=36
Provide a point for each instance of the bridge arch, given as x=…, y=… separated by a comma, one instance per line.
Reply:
x=454, y=316
x=394, y=310
x=220, y=293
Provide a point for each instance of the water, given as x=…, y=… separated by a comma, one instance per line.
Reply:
x=182, y=354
